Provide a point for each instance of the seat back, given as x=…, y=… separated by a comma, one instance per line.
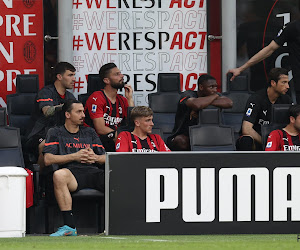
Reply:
x=280, y=118
x=280, y=113
x=239, y=100
x=157, y=131
x=234, y=116
x=164, y=102
x=10, y=147
x=19, y=108
x=27, y=83
x=164, y=106
x=240, y=83
x=94, y=83
x=164, y=121
x=168, y=82
x=83, y=98
x=3, y=117
x=211, y=138
x=209, y=116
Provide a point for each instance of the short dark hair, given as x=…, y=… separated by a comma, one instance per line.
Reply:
x=67, y=107
x=140, y=111
x=294, y=110
x=105, y=69
x=62, y=67
x=204, y=78
x=275, y=74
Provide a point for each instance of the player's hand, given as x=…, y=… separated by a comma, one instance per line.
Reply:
x=128, y=91
x=81, y=155
x=194, y=114
x=91, y=156
x=59, y=107
x=88, y=156
x=235, y=73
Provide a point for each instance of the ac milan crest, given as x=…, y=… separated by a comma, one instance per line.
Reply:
x=29, y=51
x=28, y=3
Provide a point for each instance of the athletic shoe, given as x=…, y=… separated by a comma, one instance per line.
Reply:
x=65, y=231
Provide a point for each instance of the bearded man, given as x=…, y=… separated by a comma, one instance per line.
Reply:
x=106, y=110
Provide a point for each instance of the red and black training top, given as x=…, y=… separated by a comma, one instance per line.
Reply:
x=98, y=105
x=280, y=140
x=127, y=142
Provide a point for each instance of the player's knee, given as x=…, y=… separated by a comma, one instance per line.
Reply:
x=60, y=177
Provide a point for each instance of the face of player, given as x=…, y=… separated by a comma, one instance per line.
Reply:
x=208, y=88
x=76, y=115
x=282, y=85
x=145, y=124
x=67, y=79
x=115, y=78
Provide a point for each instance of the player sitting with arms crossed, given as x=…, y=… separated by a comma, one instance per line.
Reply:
x=286, y=139
x=140, y=139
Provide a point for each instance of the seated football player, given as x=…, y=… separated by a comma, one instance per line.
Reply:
x=141, y=138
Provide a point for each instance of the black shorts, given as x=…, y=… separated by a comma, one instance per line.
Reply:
x=88, y=177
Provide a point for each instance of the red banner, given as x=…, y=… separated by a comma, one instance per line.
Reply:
x=21, y=43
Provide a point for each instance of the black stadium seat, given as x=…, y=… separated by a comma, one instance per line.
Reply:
x=93, y=84
x=233, y=117
x=27, y=83
x=10, y=147
x=240, y=83
x=3, y=117
x=19, y=108
x=168, y=82
x=280, y=118
x=238, y=91
x=21, y=104
x=211, y=138
x=210, y=116
x=164, y=106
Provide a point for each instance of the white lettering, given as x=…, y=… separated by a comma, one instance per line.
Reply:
x=27, y=23
x=10, y=79
x=8, y=3
x=280, y=199
x=206, y=195
x=9, y=57
x=153, y=203
x=291, y=148
x=12, y=25
x=244, y=193
x=2, y=103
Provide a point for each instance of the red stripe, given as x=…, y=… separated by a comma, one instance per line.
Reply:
x=97, y=145
x=183, y=99
x=51, y=143
x=45, y=100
